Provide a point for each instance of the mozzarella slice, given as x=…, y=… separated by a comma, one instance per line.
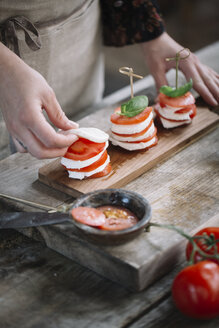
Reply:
x=92, y=134
x=82, y=175
x=73, y=164
x=169, y=124
x=169, y=113
x=133, y=146
x=147, y=134
x=132, y=128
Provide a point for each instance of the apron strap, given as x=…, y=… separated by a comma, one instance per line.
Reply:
x=8, y=33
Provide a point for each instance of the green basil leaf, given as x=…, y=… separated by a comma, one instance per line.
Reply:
x=134, y=106
x=172, y=92
x=131, y=114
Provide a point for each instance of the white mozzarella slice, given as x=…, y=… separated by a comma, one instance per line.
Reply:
x=132, y=128
x=82, y=175
x=72, y=164
x=169, y=124
x=147, y=134
x=92, y=134
x=169, y=113
x=133, y=146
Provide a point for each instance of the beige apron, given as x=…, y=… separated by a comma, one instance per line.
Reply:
x=70, y=57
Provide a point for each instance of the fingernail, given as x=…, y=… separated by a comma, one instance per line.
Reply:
x=73, y=124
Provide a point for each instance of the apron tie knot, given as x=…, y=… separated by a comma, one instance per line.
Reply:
x=8, y=33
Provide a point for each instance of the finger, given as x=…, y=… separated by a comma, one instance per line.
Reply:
x=18, y=146
x=198, y=84
x=37, y=149
x=214, y=76
x=209, y=81
x=56, y=114
x=47, y=135
x=160, y=78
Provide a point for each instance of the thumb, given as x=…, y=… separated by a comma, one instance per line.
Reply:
x=56, y=114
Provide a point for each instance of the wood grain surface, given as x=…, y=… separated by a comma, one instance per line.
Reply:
x=182, y=191
x=126, y=166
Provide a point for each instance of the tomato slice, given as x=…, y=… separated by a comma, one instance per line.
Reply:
x=83, y=149
x=182, y=101
x=88, y=215
x=135, y=135
x=124, y=120
x=146, y=139
x=113, y=224
x=93, y=166
x=103, y=173
x=187, y=109
x=194, y=112
x=167, y=119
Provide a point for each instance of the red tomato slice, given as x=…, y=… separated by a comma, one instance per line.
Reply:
x=124, y=120
x=147, y=139
x=88, y=215
x=182, y=101
x=135, y=135
x=83, y=149
x=93, y=166
x=103, y=173
x=194, y=112
x=113, y=224
x=167, y=119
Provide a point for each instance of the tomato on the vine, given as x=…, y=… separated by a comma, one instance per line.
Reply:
x=195, y=290
x=206, y=244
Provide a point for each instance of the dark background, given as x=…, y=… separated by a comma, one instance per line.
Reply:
x=192, y=23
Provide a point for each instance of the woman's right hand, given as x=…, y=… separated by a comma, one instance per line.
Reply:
x=24, y=94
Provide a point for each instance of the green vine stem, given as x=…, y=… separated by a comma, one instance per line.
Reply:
x=195, y=248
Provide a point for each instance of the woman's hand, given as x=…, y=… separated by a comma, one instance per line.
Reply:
x=24, y=94
x=205, y=80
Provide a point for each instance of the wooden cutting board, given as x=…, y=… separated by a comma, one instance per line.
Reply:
x=126, y=165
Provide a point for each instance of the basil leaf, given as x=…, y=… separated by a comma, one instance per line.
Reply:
x=134, y=106
x=131, y=114
x=171, y=92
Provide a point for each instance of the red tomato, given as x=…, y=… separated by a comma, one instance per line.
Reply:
x=120, y=119
x=204, y=245
x=103, y=173
x=83, y=149
x=88, y=215
x=182, y=101
x=195, y=290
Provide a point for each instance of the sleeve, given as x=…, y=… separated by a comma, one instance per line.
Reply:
x=127, y=22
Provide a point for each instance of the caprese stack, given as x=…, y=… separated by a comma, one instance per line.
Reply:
x=175, y=111
x=132, y=125
x=87, y=156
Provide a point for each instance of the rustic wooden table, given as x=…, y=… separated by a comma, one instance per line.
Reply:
x=41, y=288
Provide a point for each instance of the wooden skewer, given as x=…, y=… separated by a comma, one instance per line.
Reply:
x=177, y=58
x=129, y=71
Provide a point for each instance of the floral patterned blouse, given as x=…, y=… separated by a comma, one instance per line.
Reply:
x=130, y=21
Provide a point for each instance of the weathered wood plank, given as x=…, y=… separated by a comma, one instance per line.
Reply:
x=40, y=288
x=165, y=315
x=183, y=191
